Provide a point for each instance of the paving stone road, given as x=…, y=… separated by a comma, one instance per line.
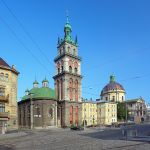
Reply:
x=64, y=139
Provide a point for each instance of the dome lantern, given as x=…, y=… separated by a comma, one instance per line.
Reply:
x=35, y=84
x=27, y=91
x=112, y=78
x=45, y=82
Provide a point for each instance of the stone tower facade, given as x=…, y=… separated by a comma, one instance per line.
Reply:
x=68, y=79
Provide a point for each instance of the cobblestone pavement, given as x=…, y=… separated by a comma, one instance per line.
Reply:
x=65, y=139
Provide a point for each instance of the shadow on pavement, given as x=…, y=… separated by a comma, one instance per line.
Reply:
x=105, y=135
x=2, y=147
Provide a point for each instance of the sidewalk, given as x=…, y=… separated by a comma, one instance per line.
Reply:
x=12, y=135
x=140, y=138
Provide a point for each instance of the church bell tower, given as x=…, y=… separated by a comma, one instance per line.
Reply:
x=68, y=77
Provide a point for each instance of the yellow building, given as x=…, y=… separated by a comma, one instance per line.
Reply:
x=8, y=96
x=89, y=113
x=106, y=112
x=113, y=91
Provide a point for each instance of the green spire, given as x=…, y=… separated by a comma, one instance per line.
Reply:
x=112, y=78
x=76, y=40
x=35, y=82
x=67, y=30
x=58, y=41
x=45, y=80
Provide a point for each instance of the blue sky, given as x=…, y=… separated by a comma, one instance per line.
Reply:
x=113, y=37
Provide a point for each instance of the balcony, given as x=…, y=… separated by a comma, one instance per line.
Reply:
x=4, y=99
x=4, y=115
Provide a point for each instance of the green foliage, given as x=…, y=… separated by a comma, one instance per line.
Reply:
x=121, y=111
x=73, y=126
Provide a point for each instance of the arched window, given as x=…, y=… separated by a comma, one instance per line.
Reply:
x=74, y=52
x=62, y=66
x=122, y=98
x=76, y=67
x=76, y=90
x=68, y=49
x=71, y=89
x=75, y=70
x=6, y=77
x=50, y=112
x=70, y=63
x=71, y=114
x=76, y=119
x=58, y=67
x=2, y=76
x=70, y=69
x=58, y=90
x=37, y=111
x=63, y=49
x=113, y=98
x=61, y=89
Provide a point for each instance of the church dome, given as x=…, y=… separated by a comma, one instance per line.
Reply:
x=112, y=86
x=40, y=93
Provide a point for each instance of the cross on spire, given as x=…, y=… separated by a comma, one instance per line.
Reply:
x=67, y=16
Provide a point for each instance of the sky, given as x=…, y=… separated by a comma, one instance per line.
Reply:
x=113, y=38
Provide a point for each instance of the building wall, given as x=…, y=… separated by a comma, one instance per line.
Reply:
x=65, y=115
x=11, y=88
x=44, y=113
x=137, y=110
x=89, y=113
x=117, y=96
x=106, y=113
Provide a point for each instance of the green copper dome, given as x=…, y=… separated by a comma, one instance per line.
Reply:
x=40, y=93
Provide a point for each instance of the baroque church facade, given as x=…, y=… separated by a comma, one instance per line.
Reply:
x=62, y=106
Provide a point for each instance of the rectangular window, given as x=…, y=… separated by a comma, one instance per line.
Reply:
x=2, y=91
x=2, y=108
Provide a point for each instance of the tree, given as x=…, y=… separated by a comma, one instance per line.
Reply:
x=121, y=111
